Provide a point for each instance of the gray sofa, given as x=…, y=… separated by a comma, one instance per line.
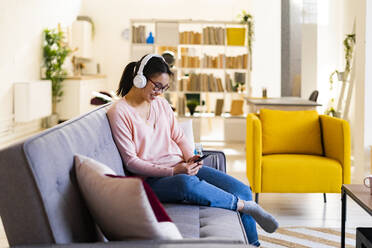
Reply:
x=40, y=202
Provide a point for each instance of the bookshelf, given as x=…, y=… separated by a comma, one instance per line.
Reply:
x=211, y=57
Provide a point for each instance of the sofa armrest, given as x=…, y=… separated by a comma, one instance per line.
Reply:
x=216, y=160
x=336, y=142
x=184, y=243
x=253, y=144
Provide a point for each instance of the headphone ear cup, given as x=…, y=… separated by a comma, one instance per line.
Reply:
x=140, y=81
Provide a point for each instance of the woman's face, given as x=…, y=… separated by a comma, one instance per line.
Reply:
x=155, y=86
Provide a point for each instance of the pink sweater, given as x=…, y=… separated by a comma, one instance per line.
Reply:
x=148, y=149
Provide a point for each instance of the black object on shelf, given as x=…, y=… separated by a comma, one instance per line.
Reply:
x=364, y=237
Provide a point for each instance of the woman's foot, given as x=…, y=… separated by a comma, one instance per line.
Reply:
x=263, y=218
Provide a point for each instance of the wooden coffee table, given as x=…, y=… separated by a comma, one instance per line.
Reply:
x=361, y=195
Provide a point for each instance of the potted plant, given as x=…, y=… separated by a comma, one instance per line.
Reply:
x=191, y=105
x=55, y=51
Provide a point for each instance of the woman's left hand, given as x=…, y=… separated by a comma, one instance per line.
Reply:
x=193, y=158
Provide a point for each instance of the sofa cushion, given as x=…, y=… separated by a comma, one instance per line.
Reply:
x=291, y=132
x=206, y=222
x=123, y=207
x=295, y=173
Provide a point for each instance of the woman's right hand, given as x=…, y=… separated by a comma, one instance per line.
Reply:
x=190, y=168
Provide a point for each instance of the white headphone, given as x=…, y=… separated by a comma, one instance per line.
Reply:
x=140, y=80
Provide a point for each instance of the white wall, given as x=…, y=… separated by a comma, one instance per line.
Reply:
x=266, y=47
x=21, y=26
x=368, y=85
x=112, y=17
x=356, y=10
x=330, y=53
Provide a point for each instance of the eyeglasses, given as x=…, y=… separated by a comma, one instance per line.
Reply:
x=159, y=87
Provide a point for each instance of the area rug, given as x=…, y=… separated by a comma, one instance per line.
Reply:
x=306, y=237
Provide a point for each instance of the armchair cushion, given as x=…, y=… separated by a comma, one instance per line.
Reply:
x=296, y=173
x=291, y=132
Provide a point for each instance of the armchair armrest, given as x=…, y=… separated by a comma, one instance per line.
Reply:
x=217, y=160
x=336, y=142
x=253, y=143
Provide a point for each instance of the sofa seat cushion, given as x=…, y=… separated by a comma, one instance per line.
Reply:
x=206, y=222
x=295, y=173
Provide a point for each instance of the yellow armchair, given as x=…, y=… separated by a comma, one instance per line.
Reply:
x=271, y=171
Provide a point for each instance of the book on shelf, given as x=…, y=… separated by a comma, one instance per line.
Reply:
x=237, y=62
x=213, y=61
x=219, y=107
x=183, y=84
x=201, y=82
x=190, y=61
x=181, y=105
x=214, y=36
x=219, y=85
x=190, y=37
x=228, y=83
x=138, y=34
x=237, y=107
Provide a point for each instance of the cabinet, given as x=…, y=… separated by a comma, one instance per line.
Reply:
x=77, y=93
x=212, y=61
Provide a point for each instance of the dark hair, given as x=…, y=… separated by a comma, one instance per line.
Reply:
x=155, y=65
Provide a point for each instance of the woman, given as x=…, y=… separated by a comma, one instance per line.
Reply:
x=154, y=147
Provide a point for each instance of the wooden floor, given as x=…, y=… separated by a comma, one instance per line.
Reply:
x=289, y=209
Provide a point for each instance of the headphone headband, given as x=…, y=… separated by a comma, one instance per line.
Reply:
x=145, y=60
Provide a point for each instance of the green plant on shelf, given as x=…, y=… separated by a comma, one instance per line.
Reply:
x=55, y=51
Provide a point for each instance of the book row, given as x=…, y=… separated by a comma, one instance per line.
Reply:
x=219, y=62
x=209, y=36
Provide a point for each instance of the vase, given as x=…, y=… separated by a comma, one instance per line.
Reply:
x=52, y=120
x=192, y=110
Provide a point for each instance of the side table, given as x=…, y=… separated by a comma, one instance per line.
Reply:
x=361, y=195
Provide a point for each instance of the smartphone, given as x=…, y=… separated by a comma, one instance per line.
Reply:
x=201, y=158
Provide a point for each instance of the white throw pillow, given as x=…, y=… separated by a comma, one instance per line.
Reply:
x=123, y=207
x=187, y=130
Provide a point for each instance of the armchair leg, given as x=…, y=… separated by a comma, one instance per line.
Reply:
x=256, y=198
x=325, y=197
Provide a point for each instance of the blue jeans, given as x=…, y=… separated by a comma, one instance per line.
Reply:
x=209, y=187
